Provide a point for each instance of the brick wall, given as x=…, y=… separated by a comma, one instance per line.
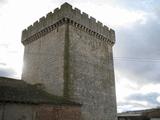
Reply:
x=58, y=113
x=39, y=112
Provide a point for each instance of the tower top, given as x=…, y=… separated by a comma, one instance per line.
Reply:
x=66, y=14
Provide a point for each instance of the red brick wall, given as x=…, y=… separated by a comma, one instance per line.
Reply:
x=45, y=112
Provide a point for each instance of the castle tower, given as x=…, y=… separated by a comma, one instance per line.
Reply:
x=71, y=55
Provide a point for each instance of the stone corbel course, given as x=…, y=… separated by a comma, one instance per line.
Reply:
x=71, y=16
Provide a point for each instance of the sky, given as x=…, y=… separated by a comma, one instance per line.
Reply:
x=136, y=52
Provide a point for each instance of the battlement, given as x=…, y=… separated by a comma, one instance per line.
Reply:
x=66, y=14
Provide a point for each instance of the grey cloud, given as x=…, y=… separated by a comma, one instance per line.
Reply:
x=150, y=98
x=3, y=64
x=3, y=1
x=141, y=41
x=6, y=72
x=147, y=5
x=133, y=102
x=128, y=106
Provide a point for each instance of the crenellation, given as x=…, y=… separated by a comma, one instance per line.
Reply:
x=55, y=15
x=66, y=6
x=55, y=10
x=24, y=35
x=42, y=19
x=77, y=15
x=29, y=27
x=49, y=18
x=35, y=27
x=35, y=23
x=41, y=25
x=105, y=27
x=77, y=10
x=92, y=22
x=99, y=27
x=29, y=30
x=106, y=31
x=85, y=19
x=112, y=35
x=66, y=11
x=49, y=15
x=92, y=19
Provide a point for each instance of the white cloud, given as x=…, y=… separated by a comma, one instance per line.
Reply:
x=134, y=96
x=124, y=87
x=148, y=88
x=158, y=99
x=113, y=16
x=11, y=58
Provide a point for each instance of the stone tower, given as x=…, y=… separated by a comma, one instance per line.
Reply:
x=70, y=53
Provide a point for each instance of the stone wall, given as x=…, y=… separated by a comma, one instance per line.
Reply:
x=38, y=112
x=91, y=75
x=44, y=61
x=71, y=54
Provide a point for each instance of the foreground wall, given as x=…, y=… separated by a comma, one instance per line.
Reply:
x=38, y=112
x=91, y=81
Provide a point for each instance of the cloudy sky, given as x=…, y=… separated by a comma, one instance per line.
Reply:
x=136, y=52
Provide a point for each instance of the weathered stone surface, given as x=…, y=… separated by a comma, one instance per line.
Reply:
x=44, y=61
x=71, y=55
x=91, y=78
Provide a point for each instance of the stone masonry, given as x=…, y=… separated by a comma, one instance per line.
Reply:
x=71, y=54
